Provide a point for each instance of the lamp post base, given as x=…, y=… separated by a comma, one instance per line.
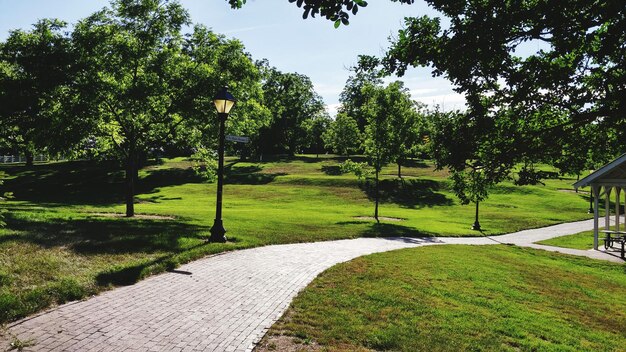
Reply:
x=476, y=226
x=218, y=232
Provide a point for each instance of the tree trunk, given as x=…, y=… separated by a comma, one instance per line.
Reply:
x=131, y=171
x=29, y=157
x=376, y=197
x=399, y=170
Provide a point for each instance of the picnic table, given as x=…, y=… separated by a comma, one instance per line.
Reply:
x=615, y=237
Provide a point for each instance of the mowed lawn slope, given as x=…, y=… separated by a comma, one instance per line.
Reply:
x=59, y=243
x=459, y=298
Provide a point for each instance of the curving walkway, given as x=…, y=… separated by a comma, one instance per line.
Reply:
x=224, y=302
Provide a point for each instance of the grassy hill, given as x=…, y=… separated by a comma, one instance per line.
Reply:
x=489, y=298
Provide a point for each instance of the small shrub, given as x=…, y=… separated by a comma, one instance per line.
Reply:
x=360, y=170
x=205, y=164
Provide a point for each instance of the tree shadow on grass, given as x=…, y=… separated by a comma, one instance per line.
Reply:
x=386, y=229
x=102, y=183
x=166, y=177
x=248, y=175
x=87, y=182
x=95, y=235
x=414, y=193
x=132, y=273
x=393, y=230
x=78, y=182
x=417, y=163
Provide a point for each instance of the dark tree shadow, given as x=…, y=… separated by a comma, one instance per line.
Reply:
x=413, y=193
x=285, y=158
x=97, y=235
x=248, y=175
x=387, y=230
x=417, y=163
x=332, y=170
x=131, y=274
x=78, y=182
x=166, y=177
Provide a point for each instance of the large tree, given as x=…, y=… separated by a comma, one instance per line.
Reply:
x=352, y=97
x=216, y=61
x=132, y=70
x=406, y=124
x=292, y=101
x=35, y=72
x=343, y=135
x=315, y=129
x=378, y=109
x=526, y=105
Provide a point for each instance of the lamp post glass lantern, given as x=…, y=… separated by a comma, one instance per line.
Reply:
x=224, y=102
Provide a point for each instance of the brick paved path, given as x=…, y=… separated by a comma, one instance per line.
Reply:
x=220, y=303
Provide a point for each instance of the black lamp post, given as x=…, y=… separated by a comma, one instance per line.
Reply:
x=476, y=225
x=224, y=101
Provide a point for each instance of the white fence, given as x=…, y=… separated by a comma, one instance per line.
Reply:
x=10, y=159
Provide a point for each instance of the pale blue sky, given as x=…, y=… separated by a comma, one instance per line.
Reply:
x=274, y=29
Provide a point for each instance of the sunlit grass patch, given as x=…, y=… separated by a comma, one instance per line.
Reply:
x=458, y=298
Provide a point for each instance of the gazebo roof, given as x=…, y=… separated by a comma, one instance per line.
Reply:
x=611, y=174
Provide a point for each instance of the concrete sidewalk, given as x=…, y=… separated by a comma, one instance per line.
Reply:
x=220, y=303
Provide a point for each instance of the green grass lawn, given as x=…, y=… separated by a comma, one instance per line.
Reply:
x=459, y=298
x=582, y=240
x=58, y=246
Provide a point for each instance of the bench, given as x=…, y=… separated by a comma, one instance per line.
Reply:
x=610, y=241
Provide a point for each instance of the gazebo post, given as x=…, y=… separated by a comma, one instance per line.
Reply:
x=617, y=202
x=595, y=191
x=607, y=207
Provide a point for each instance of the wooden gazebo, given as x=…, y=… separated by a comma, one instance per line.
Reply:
x=610, y=178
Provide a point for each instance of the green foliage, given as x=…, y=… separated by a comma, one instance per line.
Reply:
x=530, y=107
x=337, y=11
x=315, y=129
x=36, y=69
x=132, y=77
x=352, y=97
x=360, y=170
x=293, y=102
x=379, y=110
x=406, y=123
x=470, y=186
x=205, y=164
x=215, y=61
x=343, y=136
